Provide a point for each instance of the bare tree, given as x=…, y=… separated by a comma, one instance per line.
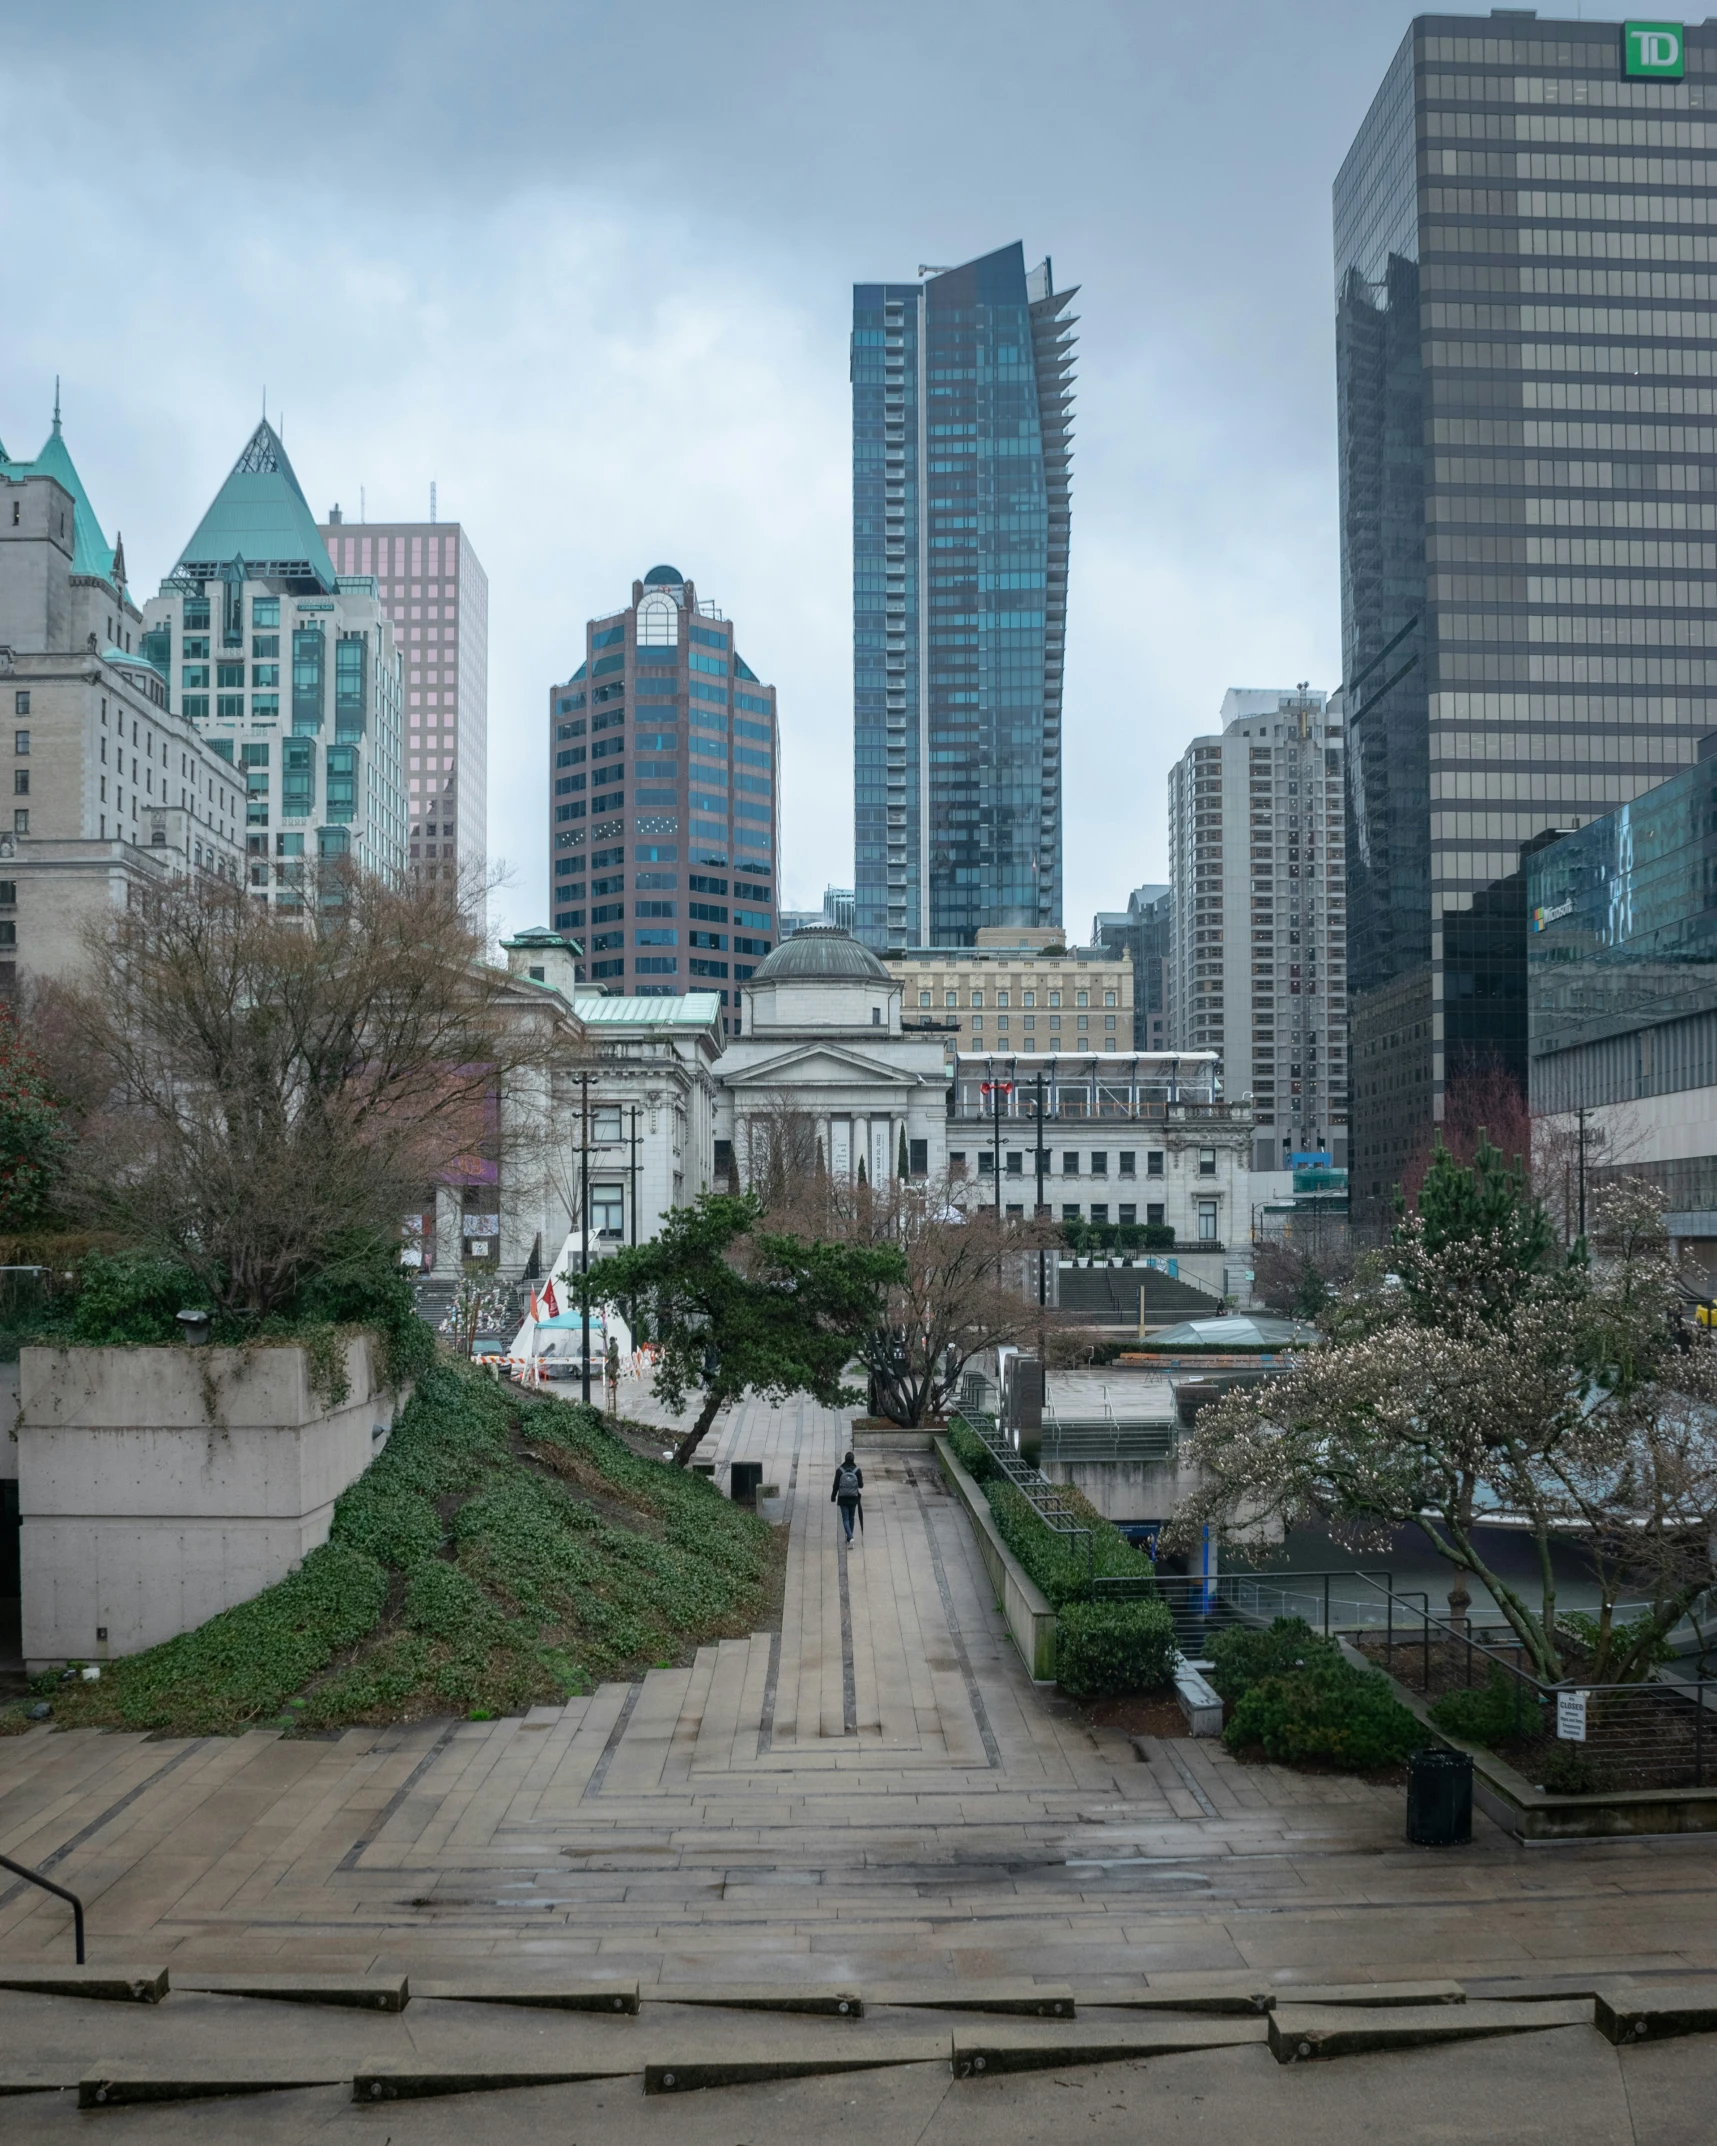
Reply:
x=963, y=1289
x=267, y=1086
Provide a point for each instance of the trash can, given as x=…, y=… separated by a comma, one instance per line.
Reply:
x=1439, y=1797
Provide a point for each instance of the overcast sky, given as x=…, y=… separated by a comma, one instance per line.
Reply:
x=589, y=267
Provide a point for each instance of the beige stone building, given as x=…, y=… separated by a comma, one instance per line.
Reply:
x=1018, y=989
x=110, y=789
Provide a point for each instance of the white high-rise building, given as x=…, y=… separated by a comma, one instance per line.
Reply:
x=1257, y=966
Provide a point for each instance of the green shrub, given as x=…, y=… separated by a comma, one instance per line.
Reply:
x=1569, y=1769
x=1491, y=1712
x=446, y=1603
x=1244, y=1655
x=1103, y=1647
x=1061, y=1564
x=132, y=1299
x=1328, y=1710
x=247, y=1662
x=971, y=1452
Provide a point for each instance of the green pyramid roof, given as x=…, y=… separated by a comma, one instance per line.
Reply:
x=260, y=516
x=91, y=552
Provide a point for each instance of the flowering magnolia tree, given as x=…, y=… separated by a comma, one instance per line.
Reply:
x=1487, y=1375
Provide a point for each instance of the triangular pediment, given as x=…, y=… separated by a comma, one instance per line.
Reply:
x=818, y=1064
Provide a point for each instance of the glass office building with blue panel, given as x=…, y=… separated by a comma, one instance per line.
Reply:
x=962, y=392
x=1622, y=985
x=1526, y=322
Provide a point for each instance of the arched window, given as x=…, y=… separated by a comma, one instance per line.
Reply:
x=658, y=621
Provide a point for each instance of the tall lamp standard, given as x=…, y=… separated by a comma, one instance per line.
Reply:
x=584, y=1239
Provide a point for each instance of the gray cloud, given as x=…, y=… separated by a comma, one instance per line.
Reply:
x=589, y=268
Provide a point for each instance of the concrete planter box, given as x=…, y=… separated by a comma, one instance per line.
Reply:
x=157, y=1487
x=1030, y=1619
x=1533, y=1814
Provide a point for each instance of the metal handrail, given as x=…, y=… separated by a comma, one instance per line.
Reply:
x=34, y=1877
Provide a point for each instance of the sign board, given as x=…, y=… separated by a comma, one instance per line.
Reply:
x=1571, y=1716
x=1653, y=49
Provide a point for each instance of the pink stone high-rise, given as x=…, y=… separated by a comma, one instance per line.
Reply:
x=430, y=582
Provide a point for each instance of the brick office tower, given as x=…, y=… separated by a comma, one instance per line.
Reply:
x=1526, y=336
x=664, y=832
x=432, y=585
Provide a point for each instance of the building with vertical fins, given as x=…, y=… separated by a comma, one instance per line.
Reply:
x=292, y=674
x=962, y=401
x=663, y=780
x=110, y=788
x=431, y=584
x=1526, y=334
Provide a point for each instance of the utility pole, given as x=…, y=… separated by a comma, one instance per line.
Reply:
x=632, y=1305
x=996, y=1151
x=584, y=1238
x=1041, y=1253
x=1580, y=1122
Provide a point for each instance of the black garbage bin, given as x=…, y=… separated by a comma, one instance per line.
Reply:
x=1439, y=1797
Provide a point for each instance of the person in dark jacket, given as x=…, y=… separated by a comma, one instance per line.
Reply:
x=848, y=1493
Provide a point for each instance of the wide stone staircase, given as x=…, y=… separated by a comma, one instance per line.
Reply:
x=1121, y=1296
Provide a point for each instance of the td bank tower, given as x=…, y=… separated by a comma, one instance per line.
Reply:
x=1526, y=328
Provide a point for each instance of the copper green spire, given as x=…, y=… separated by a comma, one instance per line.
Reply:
x=260, y=516
x=91, y=552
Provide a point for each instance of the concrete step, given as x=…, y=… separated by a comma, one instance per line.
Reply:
x=556, y=1996
x=1372, y=1994
x=760, y=1997
x=385, y=2079
x=1043, y=2000
x=1637, y=2012
x=1221, y=1994
x=1033, y=2048
x=1300, y=2033
x=759, y=2064
x=118, y=1985
x=370, y=1993
x=121, y=2084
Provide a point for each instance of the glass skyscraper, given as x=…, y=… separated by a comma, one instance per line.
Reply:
x=962, y=395
x=1527, y=408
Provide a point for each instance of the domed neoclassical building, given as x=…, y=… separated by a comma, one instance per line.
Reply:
x=820, y=1062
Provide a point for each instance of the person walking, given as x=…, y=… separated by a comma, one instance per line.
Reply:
x=848, y=1493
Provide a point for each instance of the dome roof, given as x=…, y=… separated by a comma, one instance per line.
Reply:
x=664, y=577
x=821, y=950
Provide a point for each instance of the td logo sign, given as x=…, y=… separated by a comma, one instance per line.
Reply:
x=1652, y=48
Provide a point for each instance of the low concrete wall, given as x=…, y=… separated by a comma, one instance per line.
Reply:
x=1026, y=1607
x=160, y=1486
x=1128, y=1489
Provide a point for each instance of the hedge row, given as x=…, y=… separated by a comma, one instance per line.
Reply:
x=1100, y=1647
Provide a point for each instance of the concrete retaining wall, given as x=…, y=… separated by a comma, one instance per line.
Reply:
x=159, y=1486
x=1026, y=1607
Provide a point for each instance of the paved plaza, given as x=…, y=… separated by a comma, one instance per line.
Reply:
x=876, y=1792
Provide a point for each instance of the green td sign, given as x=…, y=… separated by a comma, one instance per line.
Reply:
x=1652, y=48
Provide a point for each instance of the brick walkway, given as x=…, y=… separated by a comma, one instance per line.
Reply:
x=877, y=1790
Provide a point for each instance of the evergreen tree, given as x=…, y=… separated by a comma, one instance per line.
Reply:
x=34, y=1138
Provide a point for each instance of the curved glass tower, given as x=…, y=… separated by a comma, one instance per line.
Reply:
x=962, y=394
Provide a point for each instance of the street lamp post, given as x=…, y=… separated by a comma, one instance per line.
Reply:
x=1041, y=1283
x=584, y=1240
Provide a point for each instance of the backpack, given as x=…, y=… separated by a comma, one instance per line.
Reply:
x=846, y=1482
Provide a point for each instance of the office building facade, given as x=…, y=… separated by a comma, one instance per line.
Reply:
x=1621, y=964
x=1525, y=283
x=1018, y=991
x=962, y=398
x=663, y=781
x=1143, y=932
x=111, y=791
x=290, y=673
x=1257, y=963
x=431, y=585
